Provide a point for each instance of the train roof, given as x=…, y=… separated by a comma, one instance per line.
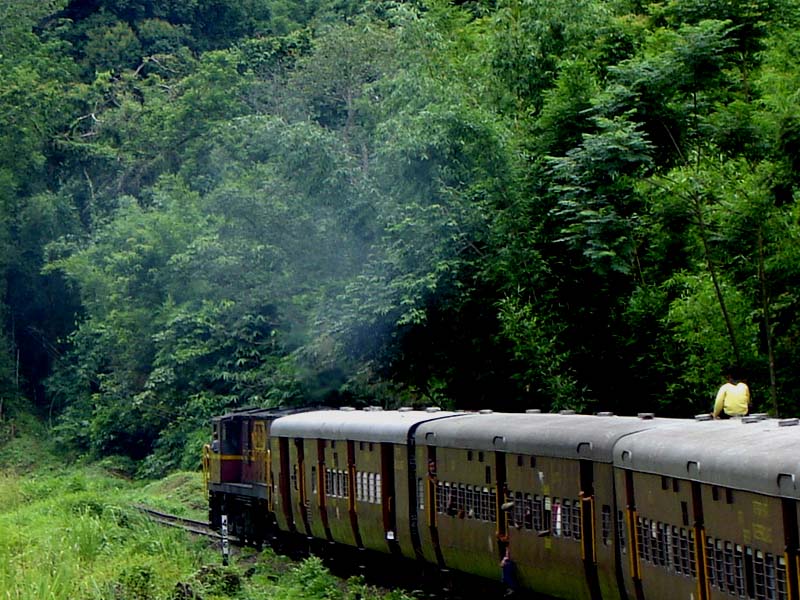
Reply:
x=748, y=454
x=556, y=435
x=263, y=413
x=357, y=425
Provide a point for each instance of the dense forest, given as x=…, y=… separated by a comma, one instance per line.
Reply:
x=507, y=204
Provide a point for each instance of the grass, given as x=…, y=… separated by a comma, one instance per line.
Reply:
x=72, y=533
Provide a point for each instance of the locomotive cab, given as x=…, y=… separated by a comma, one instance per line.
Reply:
x=238, y=472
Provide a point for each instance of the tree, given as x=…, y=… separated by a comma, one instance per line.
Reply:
x=529, y=40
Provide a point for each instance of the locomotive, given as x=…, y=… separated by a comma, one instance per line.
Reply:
x=587, y=506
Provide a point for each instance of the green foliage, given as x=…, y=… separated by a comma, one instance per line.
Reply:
x=529, y=39
x=334, y=78
x=596, y=203
x=310, y=579
x=111, y=45
x=24, y=440
x=543, y=364
x=213, y=203
x=74, y=533
x=703, y=348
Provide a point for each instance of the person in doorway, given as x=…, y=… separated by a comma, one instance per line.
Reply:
x=733, y=398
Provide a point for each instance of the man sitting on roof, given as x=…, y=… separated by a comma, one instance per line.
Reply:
x=733, y=399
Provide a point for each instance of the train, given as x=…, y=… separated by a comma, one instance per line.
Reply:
x=585, y=506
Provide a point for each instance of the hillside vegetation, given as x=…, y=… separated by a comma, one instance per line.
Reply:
x=502, y=204
x=73, y=533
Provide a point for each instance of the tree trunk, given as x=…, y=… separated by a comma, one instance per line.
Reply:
x=762, y=280
x=713, y=272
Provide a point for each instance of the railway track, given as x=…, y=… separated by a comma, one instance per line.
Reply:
x=190, y=525
x=345, y=563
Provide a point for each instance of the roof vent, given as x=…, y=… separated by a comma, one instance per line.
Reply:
x=605, y=413
x=533, y=411
x=373, y=408
x=433, y=409
x=760, y=416
x=485, y=411
x=646, y=416
x=703, y=417
x=751, y=419
x=347, y=408
x=788, y=422
x=405, y=409
x=567, y=411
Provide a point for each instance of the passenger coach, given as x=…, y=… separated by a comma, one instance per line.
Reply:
x=350, y=477
x=550, y=483
x=595, y=507
x=712, y=510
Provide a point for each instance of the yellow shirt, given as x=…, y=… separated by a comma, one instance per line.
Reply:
x=734, y=399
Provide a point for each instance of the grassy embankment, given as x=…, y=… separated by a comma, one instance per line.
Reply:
x=71, y=533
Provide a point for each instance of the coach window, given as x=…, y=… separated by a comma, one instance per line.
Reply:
x=657, y=542
x=461, y=501
x=480, y=456
x=313, y=480
x=675, y=548
x=555, y=521
x=451, y=499
x=642, y=539
x=519, y=460
x=259, y=437
x=233, y=443
x=488, y=474
x=721, y=556
x=575, y=517
x=469, y=455
x=471, y=502
x=766, y=576
x=688, y=558
x=605, y=526
x=373, y=487
x=538, y=513
x=528, y=514
x=245, y=440
x=484, y=512
x=519, y=510
x=566, y=520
